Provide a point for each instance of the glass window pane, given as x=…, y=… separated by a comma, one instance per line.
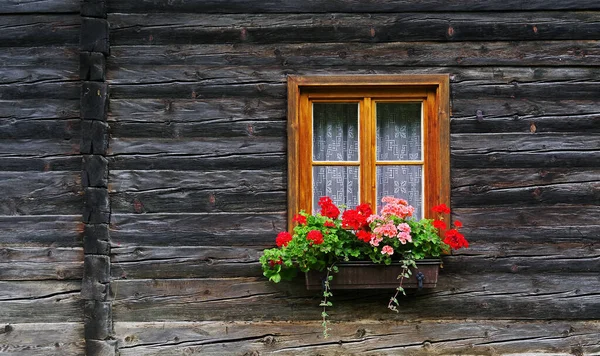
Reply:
x=335, y=131
x=403, y=181
x=399, y=131
x=340, y=183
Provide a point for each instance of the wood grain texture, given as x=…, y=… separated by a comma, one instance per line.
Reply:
x=319, y=6
x=332, y=55
x=40, y=30
x=44, y=230
x=499, y=296
x=39, y=6
x=182, y=28
x=42, y=339
x=368, y=337
x=32, y=263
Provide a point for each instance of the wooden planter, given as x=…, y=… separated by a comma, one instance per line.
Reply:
x=368, y=275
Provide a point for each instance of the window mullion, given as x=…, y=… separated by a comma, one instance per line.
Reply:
x=367, y=152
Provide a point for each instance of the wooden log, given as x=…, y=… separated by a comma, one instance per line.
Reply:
x=40, y=164
x=540, y=123
x=94, y=101
x=96, y=277
x=39, y=6
x=26, y=148
x=96, y=208
x=195, y=192
x=96, y=239
x=550, y=159
x=94, y=35
x=537, y=296
x=131, y=261
x=65, y=90
x=536, y=234
x=37, y=74
x=97, y=320
x=42, y=302
x=94, y=171
x=223, y=229
x=42, y=230
x=377, y=55
x=101, y=347
x=34, y=193
x=92, y=66
x=324, y=6
x=40, y=30
x=93, y=8
x=367, y=337
x=42, y=339
x=63, y=57
x=40, y=129
x=553, y=215
x=183, y=28
x=14, y=111
x=59, y=270
x=94, y=137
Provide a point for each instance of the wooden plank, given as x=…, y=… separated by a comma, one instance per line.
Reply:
x=40, y=30
x=30, y=75
x=331, y=55
x=515, y=216
x=133, y=261
x=320, y=6
x=38, y=193
x=15, y=111
x=187, y=28
x=367, y=337
x=535, y=234
x=191, y=191
x=44, y=230
x=49, y=90
x=221, y=229
x=556, y=158
x=40, y=129
x=37, y=147
x=38, y=6
x=40, y=164
x=58, y=57
x=42, y=339
x=493, y=296
x=41, y=303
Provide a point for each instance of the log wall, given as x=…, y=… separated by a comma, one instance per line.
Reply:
x=198, y=174
x=41, y=256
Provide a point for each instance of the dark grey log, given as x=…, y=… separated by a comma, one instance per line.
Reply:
x=40, y=30
x=93, y=8
x=65, y=90
x=94, y=101
x=331, y=55
x=22, y=74
x=96, y=277
x=94, y=172
x=552, y=215
x=94, y=35
x=94, y=137
x=55, y=163
x=92, y=66
x=64, y=57
x=181, y=28
x=96, y=239
x=319, y=6
x=547, y=296
x=383, y=337
x=197, y=229
x=96, y=208
x=34, y=339
x=15, y=111
x=38, y=193
x=45, y=230
x=98, y=320
x=39, y=129
x=101, y=348
x=39, y=6
x=525, y=159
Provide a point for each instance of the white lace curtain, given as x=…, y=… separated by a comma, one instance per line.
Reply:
x=398, y=137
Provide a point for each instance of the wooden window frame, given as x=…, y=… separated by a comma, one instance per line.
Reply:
x=431, y=89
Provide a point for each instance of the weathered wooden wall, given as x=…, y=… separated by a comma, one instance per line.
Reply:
x=40, y=187
x=198, y=167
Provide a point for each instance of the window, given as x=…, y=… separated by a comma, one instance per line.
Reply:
x=359, y=138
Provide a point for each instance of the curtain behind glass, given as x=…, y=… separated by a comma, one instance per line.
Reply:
x=399, y=139
x=335, y=138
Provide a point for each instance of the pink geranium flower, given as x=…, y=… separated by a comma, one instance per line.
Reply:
x=387, y=250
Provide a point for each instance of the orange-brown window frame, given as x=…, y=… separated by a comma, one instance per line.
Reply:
x=430, y=89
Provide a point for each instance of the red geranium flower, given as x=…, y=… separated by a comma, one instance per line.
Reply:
x=283, y=238
x=442, y=209
x=315, y=237
x=329, y=224
x=300, y=219
x=458, y=224
x=455, y=239
x=364, y=235
x=439, y=224
x=273, y=263
x=328, y=209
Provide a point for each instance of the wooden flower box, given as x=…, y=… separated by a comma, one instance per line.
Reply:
x=368, y=275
